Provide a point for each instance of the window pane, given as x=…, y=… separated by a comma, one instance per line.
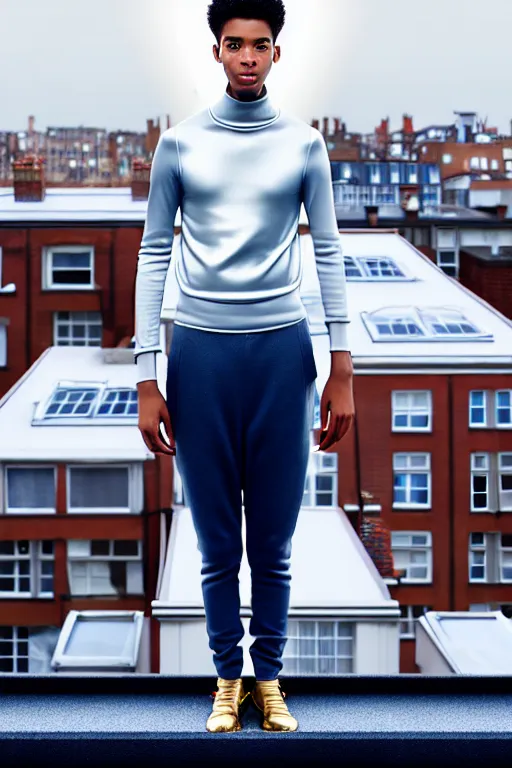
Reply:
x=101, y=638
x=30, y=488
x=99, y=487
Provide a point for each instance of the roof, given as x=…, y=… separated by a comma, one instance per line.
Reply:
x=87, y=439
x=427, y=288
x=330, y=568
x=470, y=643
x=95, y=204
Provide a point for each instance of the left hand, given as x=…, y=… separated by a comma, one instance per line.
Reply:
x=337, y=411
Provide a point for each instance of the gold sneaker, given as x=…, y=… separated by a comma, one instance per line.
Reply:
x=268, y=697
x=227, y=703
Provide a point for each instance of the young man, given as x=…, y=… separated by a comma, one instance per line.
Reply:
x=241, y=371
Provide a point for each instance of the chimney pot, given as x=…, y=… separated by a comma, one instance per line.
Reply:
x=326, y=126
x=141, y=171
x=315, y=124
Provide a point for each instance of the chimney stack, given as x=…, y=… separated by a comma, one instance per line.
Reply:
x=316, y=124
x=372, y=215
x=337, y=125
x=141, y=171
x=29, y=181
x=326, y=126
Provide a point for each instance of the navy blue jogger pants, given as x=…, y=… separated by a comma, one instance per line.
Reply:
x=241, y=408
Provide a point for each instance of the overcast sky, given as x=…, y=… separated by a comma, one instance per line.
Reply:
x=114, y=63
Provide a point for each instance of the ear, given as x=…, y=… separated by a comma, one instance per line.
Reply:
x=277, y=53
x=216, y=52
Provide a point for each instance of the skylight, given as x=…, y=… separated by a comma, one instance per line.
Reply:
x=366, y=268
x=429, y=324
x=74, y=401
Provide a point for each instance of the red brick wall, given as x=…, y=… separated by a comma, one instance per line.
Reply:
x=492, y=281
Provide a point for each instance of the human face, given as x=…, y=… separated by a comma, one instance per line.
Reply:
x=246, y=47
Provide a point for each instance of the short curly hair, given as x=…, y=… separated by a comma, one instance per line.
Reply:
x=221, y=11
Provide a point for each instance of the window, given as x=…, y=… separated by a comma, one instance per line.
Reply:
x=491, y=482
x=480, y=482
x=488, y=409
x=367, y=268
x=447, y=159
x=319, y=648
x=26, y=568
x=478, y=557
x=474, y=162
x=102, y=567
x=77, y=329
x=374, y=173
x=320, y=489
x=3, y=344
x=106, y=639
x=503, y=406
x=413, y=324
x=412, y=173
x=29, y=489
x=434, y=175
x=478, y=408
x=99, y=489
x=494, y=165
x=505, y=481
x=447, y=322
x=27, y=649
x=13, y=649
x=410, y=615
x=89, y=402
x=68, y=267
x=412, y=480
x=394, y=173
x=506, y=557
x=484, y=164
x=412, y=411
x=412, y=553
x=448, y=262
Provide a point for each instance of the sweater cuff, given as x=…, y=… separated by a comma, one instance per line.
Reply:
x=146, y=366
x=338, y=337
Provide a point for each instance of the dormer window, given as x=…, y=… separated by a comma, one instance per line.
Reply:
x=366, y=268
x=88, y=403
x=429, y=324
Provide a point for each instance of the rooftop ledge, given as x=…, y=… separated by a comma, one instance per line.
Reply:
x=351, y=720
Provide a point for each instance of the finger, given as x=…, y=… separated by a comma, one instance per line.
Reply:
x=324, y=413
x=168, y=427
x=162, y=443
x=343, y=427
x=331, y=433
x=146, y=439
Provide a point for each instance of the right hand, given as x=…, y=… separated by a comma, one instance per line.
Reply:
x=152, y=413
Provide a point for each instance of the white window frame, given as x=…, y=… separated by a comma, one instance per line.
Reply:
x=74, y=555
x=16, y=640
x=447, y=158
x=502, y=553
x=35, y=558
x=481, y=551
x=409, y=620
x=422, y=320
x=506, y=425
x=320, y=464
x=135, y=490
x=408, y=546
x=313, y=642
x=93, y=417
x=481, y=466
x=28, y=510
x=410, y=410
x=474, y=163
x=495, y=165
x=410, y=470
x=72, y=322
x=47, y=271
x=484, y=406
x=504, y=467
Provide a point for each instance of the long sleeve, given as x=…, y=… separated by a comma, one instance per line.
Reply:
x=318, y=201
x=165, y=195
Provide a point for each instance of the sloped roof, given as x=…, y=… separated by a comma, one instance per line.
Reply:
x=20, y=440
x=330, y=567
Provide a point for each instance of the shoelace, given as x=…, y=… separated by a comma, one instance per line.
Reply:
x=226, y=698
x=274, y=698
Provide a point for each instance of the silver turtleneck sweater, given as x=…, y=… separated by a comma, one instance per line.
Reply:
x=239, y=171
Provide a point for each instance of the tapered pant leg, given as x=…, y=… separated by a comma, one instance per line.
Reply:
x=204, y=403
x=279, y=411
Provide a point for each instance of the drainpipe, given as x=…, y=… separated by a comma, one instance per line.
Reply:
x=451, y=500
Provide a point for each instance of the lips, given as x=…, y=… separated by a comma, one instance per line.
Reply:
x=247, y=77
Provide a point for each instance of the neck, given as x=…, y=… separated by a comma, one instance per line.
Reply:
x=244, y=115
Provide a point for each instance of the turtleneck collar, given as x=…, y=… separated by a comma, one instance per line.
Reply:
x=244, y=115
